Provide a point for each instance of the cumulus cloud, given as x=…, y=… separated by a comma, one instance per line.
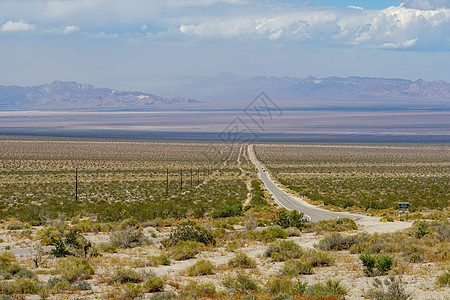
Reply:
x=13, y=26
x=396, y=27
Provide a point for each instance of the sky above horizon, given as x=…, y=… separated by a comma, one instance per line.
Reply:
x=147, y=44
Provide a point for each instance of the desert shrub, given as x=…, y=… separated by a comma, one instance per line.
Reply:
x=131, y=290
x=421, y=229
x=382, y=263
x=295, y=267
x=241, y=283
x=278, y=232
x=337, y=242
x=129, y=223
x=6, y=259
x=388, y=289
x=82, y=285
x=127, y=238
x=284, y=250
x=190, y=232
x=299, y=288
x=107, y=247
x=330, y=287
x=61, y=286
x=318, y=258
x=25, y=273
x=15, y=227
x=286, y=219
x=228, y=211
x=341, y=224
x=293, y=231
x=250, y=224
x=124, y=275
x=153, y=284
x=71, y=243
x=186, y=250
x=5, y=297
x=444, y=279
x=27, y=285
x=241, y=260
x=8, y=287
x=200, y=268
x=54, y=281
x=74, y=268
x=206, y=289
x=279, y=285
x=160, y=260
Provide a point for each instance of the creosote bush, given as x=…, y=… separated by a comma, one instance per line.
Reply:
x=337, y=242
x=286, y=219
x=284, y=250
x=186, y=250
x=124, y=275
x=241, y=283
x=190, y=232
x=330, y=287
x=200, y=268
x=241, y=260
x=444, y=279
x=294, y=267
x=376, y=265
x=388, y=289
x=228, y=211
x=74, y=268
x=127, y=238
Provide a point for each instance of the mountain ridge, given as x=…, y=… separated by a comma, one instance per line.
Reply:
x=71, y=95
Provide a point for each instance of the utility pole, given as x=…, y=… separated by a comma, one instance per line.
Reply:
x=167, y=182
x=181, y=179
x=191, y=177
x=198, y=175
x=76, y=185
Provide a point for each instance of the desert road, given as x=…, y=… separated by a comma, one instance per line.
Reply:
x=292, y=202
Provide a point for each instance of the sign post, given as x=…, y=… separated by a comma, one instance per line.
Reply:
x=403, y=207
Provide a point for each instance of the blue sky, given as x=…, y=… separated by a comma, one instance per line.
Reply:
x=146, y=44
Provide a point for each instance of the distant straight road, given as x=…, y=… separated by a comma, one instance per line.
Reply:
x=292, y=202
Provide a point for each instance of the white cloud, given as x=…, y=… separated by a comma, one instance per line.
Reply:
x=70, y=29
x=13, y=26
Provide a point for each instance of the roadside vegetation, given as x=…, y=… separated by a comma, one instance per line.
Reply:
x=219, y=238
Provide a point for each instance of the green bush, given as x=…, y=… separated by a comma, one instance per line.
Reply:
x=82, y=285
x=329, y=288
x=228, y=211
x=382, y=263
x=124, y=275
x=286, y=219
x=127, y=238
x=27, y=285
x=205, y=289
x=241, y=283
x=299, y=288
x=279, y=285
x=160, y=260
x=186, y=250
x=422, y=229
x=284, y=250
x=388, y=289
x=200, y=268
x=131, y=290
x=8, y=287
x=318, y=258
x=71, y=243
x=341, y=224
x=444, y=279
x=153, y=284
x=241, y=260
x=74, y=268
x=190, y=232
x=294, y=267
x=337, y=242
x=6, y=258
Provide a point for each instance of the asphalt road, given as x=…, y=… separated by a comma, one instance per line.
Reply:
x=292, y=202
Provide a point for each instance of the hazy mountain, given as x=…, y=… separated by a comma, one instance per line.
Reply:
x=228, y=86
x=74, y=95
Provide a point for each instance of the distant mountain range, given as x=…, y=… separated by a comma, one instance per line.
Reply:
x=73, y=95
x=228, y=85
x=226, y=90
